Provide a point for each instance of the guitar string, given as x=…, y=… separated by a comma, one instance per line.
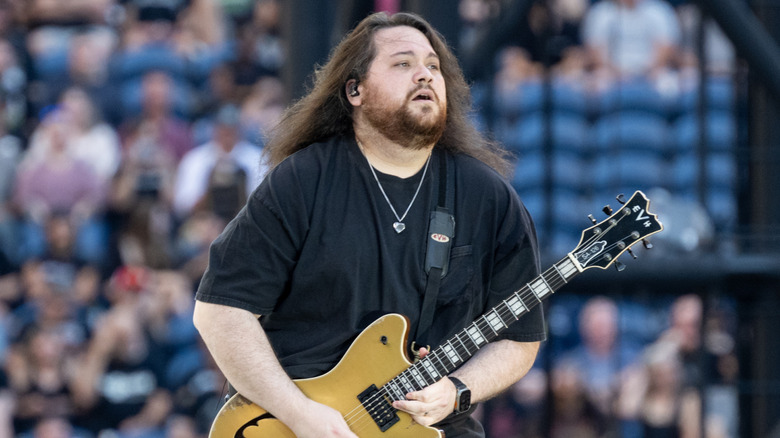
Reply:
x=503, y=312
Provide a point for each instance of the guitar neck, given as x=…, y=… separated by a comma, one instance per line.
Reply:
x=458, y=349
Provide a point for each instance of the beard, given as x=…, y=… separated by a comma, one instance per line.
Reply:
x=400, y=124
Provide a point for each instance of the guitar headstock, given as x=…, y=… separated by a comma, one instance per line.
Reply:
x=601, y=244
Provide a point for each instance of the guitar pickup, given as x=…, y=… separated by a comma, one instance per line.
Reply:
x=379, y=407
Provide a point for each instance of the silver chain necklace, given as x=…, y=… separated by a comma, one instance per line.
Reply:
x=399, y=225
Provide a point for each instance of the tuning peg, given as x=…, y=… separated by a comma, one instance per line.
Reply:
x=592, y=219
x=621, y=198
x=647, y=244
x=607, y=210
x=619, y=266
x=632, y=253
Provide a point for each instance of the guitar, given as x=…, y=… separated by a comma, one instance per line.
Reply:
x=375, y=370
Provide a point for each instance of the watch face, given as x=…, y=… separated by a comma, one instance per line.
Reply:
x=464, y=401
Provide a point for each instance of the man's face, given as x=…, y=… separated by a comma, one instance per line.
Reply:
x=404, y=94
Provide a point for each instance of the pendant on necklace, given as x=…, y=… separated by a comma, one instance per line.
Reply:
x=399, y=226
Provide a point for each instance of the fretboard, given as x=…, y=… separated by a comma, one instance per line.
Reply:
x=458, y=349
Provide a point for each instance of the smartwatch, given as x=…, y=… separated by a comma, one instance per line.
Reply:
x=462, y=396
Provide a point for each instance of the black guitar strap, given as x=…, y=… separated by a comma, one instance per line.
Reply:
x=441, y=231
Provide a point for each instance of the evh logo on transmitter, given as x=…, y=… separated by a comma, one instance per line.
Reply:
x=441, y=238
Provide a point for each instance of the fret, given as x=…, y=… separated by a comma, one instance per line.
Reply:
x=468, y=352
x=452, y=355
x=495, y=321
x=441, y=368
x=539, y=288
x=546, y=283
x=484, y=318
x=560, y=274
x=395, y=391
x=476, y=335
x=464, y=337
x=430, y=369
x=421, y=382
x=568, y=268
x=516, y=306
x=405, y=383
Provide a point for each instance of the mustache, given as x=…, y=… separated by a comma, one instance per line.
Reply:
x=420, y=87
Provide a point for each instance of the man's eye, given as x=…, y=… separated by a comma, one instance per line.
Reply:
x=433, y=67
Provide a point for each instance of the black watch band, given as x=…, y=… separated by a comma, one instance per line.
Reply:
x=462, y=395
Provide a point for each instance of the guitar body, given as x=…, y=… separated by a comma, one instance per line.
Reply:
x=377, y=355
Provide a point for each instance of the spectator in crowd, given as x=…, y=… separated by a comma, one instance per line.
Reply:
x=631, y=38
x=120, y=384
x=259, y=50
x=262, y=109
x=685, y=335
x=90, y=139
x=602, y=357
x=573, y=411
x=157, y=122
x=55, y=427
x=658, y=397
x=141, y=203
x=59, y=183
x=40, y=372
x=83, y=64
x=475, y=17
x=218, y=176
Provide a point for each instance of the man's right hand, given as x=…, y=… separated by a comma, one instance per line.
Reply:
x=319, y=421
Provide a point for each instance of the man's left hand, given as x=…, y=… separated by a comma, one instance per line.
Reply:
x=431, y=404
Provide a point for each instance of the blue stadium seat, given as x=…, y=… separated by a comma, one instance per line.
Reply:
x=567, y=98
x=568, y=131
x=629, y=170
x=635, y=95
x=529, y=172
x=721, y=171
x=525, y=98
x=721, y=204
x=159, y=57
x=720, y=95
x=631, y=130
x=721, y=131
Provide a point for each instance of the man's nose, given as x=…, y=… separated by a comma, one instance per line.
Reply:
x=423, y=74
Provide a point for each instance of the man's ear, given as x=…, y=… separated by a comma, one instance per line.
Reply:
x=352, y=88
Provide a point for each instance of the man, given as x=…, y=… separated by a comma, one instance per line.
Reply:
x=202, y=165
x=336, y=235
x=631, y=38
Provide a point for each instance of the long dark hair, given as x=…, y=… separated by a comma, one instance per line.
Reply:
x=325, y=111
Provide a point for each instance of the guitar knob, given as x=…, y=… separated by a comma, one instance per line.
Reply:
x=632, y=253
x=647, y=244
x=619, y=266
x=621, y=198
x=592, y=219
x=607, y=210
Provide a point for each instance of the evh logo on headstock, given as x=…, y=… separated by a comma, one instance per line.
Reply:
x=642, y=216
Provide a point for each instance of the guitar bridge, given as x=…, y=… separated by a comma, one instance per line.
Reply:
x=379, y=407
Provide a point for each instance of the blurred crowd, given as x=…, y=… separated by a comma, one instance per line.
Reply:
x=131, y=131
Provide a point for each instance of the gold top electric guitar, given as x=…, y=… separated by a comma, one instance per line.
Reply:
x=375, y=371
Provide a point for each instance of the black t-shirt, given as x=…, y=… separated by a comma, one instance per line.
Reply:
x=314, y=251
